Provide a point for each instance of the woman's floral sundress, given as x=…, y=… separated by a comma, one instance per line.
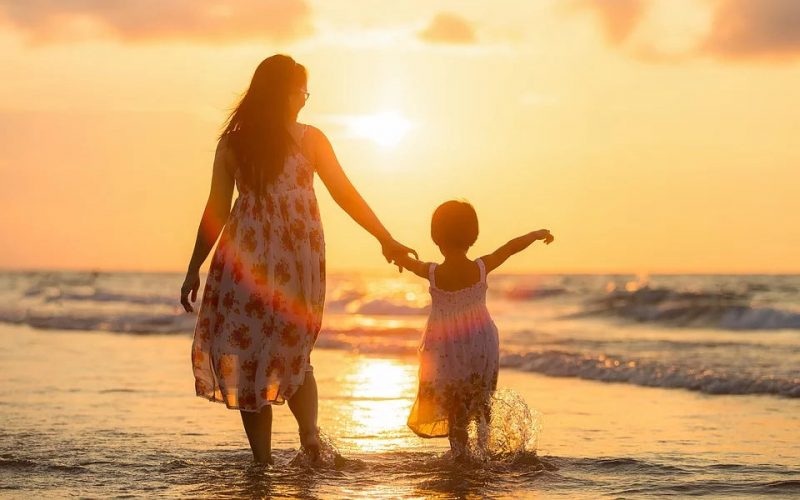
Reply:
x=262, y=303
x=459, y=359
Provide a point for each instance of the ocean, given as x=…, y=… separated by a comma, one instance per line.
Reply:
x=632, y=386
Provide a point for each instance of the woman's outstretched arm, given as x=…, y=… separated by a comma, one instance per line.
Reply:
x=215, y=215
x=347, y=197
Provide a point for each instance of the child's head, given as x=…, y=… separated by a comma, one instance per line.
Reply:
x=454, y=226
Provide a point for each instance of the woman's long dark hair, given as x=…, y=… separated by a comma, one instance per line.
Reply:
x=256, y=128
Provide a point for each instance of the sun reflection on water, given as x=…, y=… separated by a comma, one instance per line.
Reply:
x=379, y=394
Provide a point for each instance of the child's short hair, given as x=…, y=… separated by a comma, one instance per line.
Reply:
x=454, y=225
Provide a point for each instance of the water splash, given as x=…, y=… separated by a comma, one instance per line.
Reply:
x=512, y=432
x=329, y=456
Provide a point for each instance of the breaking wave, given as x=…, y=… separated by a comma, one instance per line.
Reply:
x=648, y=373
x=725, y=310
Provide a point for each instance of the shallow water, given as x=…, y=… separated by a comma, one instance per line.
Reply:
x=99, y=414
x=715, y=334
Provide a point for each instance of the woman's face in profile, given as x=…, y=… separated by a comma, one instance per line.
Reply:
x=297, y=99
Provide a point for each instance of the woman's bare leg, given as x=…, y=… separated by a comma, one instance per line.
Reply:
x=258, y=426
x=304, y=407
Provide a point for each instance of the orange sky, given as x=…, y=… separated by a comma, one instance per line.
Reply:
x=648, y=136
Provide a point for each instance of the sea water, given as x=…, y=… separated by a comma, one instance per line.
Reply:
x=610, y=385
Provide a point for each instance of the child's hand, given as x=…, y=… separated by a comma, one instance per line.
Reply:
x=392, y=250
x=544, y=235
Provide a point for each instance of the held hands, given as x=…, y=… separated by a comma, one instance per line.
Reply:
x=190, y=284
x=544, y=235
x=393, y=250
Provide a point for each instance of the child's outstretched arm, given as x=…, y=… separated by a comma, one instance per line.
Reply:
x=494, y=259
x=415, y=266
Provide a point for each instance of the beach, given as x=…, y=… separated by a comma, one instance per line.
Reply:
x=100, y=413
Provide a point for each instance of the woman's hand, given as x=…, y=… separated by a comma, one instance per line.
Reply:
x=190, y=284
x=544, y=235
x=393, y=249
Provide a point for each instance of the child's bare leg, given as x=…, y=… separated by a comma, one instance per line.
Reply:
x=484, y=425
x=258, y=427
x=458, y=436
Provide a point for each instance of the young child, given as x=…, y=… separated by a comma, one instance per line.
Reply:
x=459, y=352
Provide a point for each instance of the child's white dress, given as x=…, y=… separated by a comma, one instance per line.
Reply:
x=459, y=358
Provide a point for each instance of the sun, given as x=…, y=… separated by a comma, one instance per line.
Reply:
x=386, y=128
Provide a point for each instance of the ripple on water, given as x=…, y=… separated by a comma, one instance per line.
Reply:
x=383, y=475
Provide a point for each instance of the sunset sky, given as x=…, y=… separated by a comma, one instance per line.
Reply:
x=648, y=136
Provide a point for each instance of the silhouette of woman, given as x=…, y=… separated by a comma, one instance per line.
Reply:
x=262, y=303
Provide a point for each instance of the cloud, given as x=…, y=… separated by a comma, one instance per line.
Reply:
x=735, y=29
x=451, y=28
x=46, y=21
x=618, y=17
x=752, y=28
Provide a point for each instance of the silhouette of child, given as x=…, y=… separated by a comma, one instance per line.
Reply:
x=459, y=351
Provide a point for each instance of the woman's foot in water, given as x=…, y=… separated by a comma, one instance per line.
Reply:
x=263, y=459
x=310, y=442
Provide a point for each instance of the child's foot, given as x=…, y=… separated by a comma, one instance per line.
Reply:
x=457, y=456
x=310, y=442
x=459, y=452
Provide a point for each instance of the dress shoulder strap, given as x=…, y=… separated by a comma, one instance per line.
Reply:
x=431, y=276
x=482, y=268
x=298, y=142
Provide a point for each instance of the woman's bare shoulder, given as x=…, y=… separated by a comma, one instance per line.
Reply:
x=225, y=152
x=314, y=135
x=224, y=143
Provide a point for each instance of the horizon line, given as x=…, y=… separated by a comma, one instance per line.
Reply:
x=389, y=270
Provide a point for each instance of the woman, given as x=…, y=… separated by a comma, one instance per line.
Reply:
x=262, y=303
